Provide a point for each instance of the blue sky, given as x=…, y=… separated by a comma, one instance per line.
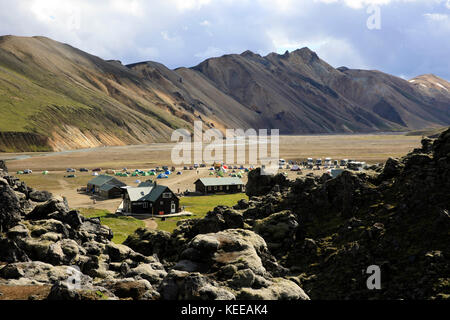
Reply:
x=413, y=39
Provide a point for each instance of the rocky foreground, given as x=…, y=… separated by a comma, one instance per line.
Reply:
x=309, y=238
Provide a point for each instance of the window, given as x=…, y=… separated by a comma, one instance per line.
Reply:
x=209, y=188
x=167, y=195
x=220, y=188
x=145, y=205
x=215, y=188
x=228, y=188
x=161, y=203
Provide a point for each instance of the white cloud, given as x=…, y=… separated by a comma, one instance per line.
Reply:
x=359, y=4
x=436, y=16
x=209, y=53
x=133, y=7
x=184, y=32
x=183, y=5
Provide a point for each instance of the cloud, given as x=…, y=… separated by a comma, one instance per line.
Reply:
x=436, y=16
x=411, y=40
x=210, y=52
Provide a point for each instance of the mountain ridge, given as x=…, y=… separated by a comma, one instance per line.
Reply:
x=55, y=97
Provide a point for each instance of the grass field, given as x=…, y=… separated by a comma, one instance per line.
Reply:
x=121, y=226
x=200, y=206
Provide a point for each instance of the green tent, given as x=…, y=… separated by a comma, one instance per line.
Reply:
x=19, y=172
x=151, y=173
x=45, y=172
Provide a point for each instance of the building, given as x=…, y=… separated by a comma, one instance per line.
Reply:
x=219, y=185
x=105, y=186
x=154, y=199
x=148, y=183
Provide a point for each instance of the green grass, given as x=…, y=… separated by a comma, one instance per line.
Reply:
x=121, y=226
x=200, y=206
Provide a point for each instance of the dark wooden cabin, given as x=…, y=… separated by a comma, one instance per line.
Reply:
x=156, y=200
x=219, y=185
x=106, y=187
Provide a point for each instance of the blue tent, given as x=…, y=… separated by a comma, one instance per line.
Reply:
x=162, y=176
x=168, y=172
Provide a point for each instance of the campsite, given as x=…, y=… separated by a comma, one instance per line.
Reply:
x=133, y=165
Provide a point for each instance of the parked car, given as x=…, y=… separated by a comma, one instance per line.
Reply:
x=71, y=170
x=84, y=170
x=70, y=176
x=185, y=168
x=27, y=171
x=97, y=169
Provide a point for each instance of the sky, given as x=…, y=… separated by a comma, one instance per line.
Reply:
x=402, y=37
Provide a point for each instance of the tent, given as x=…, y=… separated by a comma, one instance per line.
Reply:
x=211, y=174
x=137, y=181
x=95, y=173
x=168, y=172
x=45, y=172
x=162, y=176
x=152, y=173
x=179, y=173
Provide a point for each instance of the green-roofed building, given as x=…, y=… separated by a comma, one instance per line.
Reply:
x=148, y=183
x=150, y=199
x=105, y=186
x=219, y=185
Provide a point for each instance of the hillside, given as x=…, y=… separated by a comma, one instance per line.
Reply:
x=312, y=238
x=56, y=97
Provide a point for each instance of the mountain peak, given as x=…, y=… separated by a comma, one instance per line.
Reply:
x=249, y=53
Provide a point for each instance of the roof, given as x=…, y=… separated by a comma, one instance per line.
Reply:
x=108, y=187
x=148, y=183
x=146, y=193
x=220, y=181
x=103, y=179
x=139, y=193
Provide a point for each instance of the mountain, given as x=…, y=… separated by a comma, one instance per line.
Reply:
x=301, y=93
x=56, y=97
